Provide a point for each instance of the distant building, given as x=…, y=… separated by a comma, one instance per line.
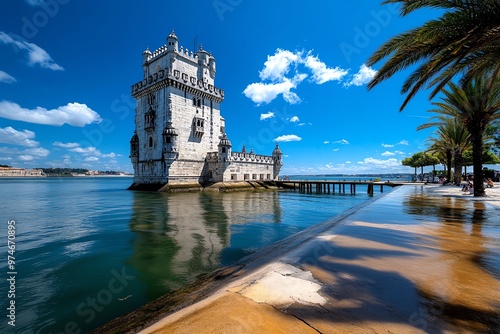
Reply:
x=180, y=135
x=20, y=172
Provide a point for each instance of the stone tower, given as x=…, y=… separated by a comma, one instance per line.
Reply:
x=180, y=136
x=177, y=115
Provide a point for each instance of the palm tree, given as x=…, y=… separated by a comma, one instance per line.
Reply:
x=464, y=40
x=420, y=159
x=455, y=137
x=411, y=162
x=440, y=148
x=475, y=104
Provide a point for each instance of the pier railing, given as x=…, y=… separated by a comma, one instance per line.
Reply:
x=332, y=187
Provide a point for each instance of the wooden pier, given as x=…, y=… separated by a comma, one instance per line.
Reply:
x=333, y=186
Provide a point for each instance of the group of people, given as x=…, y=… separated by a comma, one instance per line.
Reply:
x=469, y=186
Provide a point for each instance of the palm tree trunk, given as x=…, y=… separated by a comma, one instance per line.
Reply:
x=448, y=165
x=458, y=168
x=477, y=157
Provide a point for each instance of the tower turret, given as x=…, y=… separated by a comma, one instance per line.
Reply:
x=278, y=160
x=172, y=42
x=203, y=63
x=278, y=155
x=224, y=148
x=169, y=134
x=211, y=67
x=146, y=55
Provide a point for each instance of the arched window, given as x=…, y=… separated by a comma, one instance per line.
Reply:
x=150, y=141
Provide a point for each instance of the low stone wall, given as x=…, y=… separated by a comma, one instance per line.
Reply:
x=195, y=186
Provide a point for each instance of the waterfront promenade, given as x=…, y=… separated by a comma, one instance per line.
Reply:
x=420, y=259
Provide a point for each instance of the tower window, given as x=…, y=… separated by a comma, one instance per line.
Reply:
x=223, y=150
x=150, y=141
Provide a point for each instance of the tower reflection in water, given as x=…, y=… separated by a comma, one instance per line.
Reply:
x=179, y=236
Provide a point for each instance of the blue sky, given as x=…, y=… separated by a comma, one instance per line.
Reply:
x=291, y=72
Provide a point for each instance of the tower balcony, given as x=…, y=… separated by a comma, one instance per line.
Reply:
x=198, y=127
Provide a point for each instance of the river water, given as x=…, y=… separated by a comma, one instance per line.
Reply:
x=87, y=250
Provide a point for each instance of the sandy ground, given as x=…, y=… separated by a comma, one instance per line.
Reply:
x=420, y=259
x=492, y=194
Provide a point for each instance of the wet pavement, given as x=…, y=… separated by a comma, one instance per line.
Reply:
x=413, y=261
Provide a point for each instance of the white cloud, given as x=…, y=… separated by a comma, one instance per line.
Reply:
x=321, y=73
x=38, y=152
x=10, y=135
x=387, y=145
x=281, y=70
x=404, y=142
x=266, y=92
x=336, y=149
x=387, y=154
x=91, y=159
x=399, y=152
x=25, y=157
x=287, y=138
x=27, y=154
x=6, y=78
x=326, y=142
x=75, y=114
x=364, y=76
x=36, y=55
x=343, y=142
x=110, y=155
x=348, y=162
x=91, y=151
x=294, y=119
x=65, y=145
x=266, y=115
x=278, y=65
x=378, y=163
x=86, y=151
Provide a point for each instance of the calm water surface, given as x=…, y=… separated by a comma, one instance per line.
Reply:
x=87, y=250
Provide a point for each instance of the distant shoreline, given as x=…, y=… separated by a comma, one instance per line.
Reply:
x=68, y=176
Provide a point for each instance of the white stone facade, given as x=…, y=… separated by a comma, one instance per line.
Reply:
x=180, y=134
